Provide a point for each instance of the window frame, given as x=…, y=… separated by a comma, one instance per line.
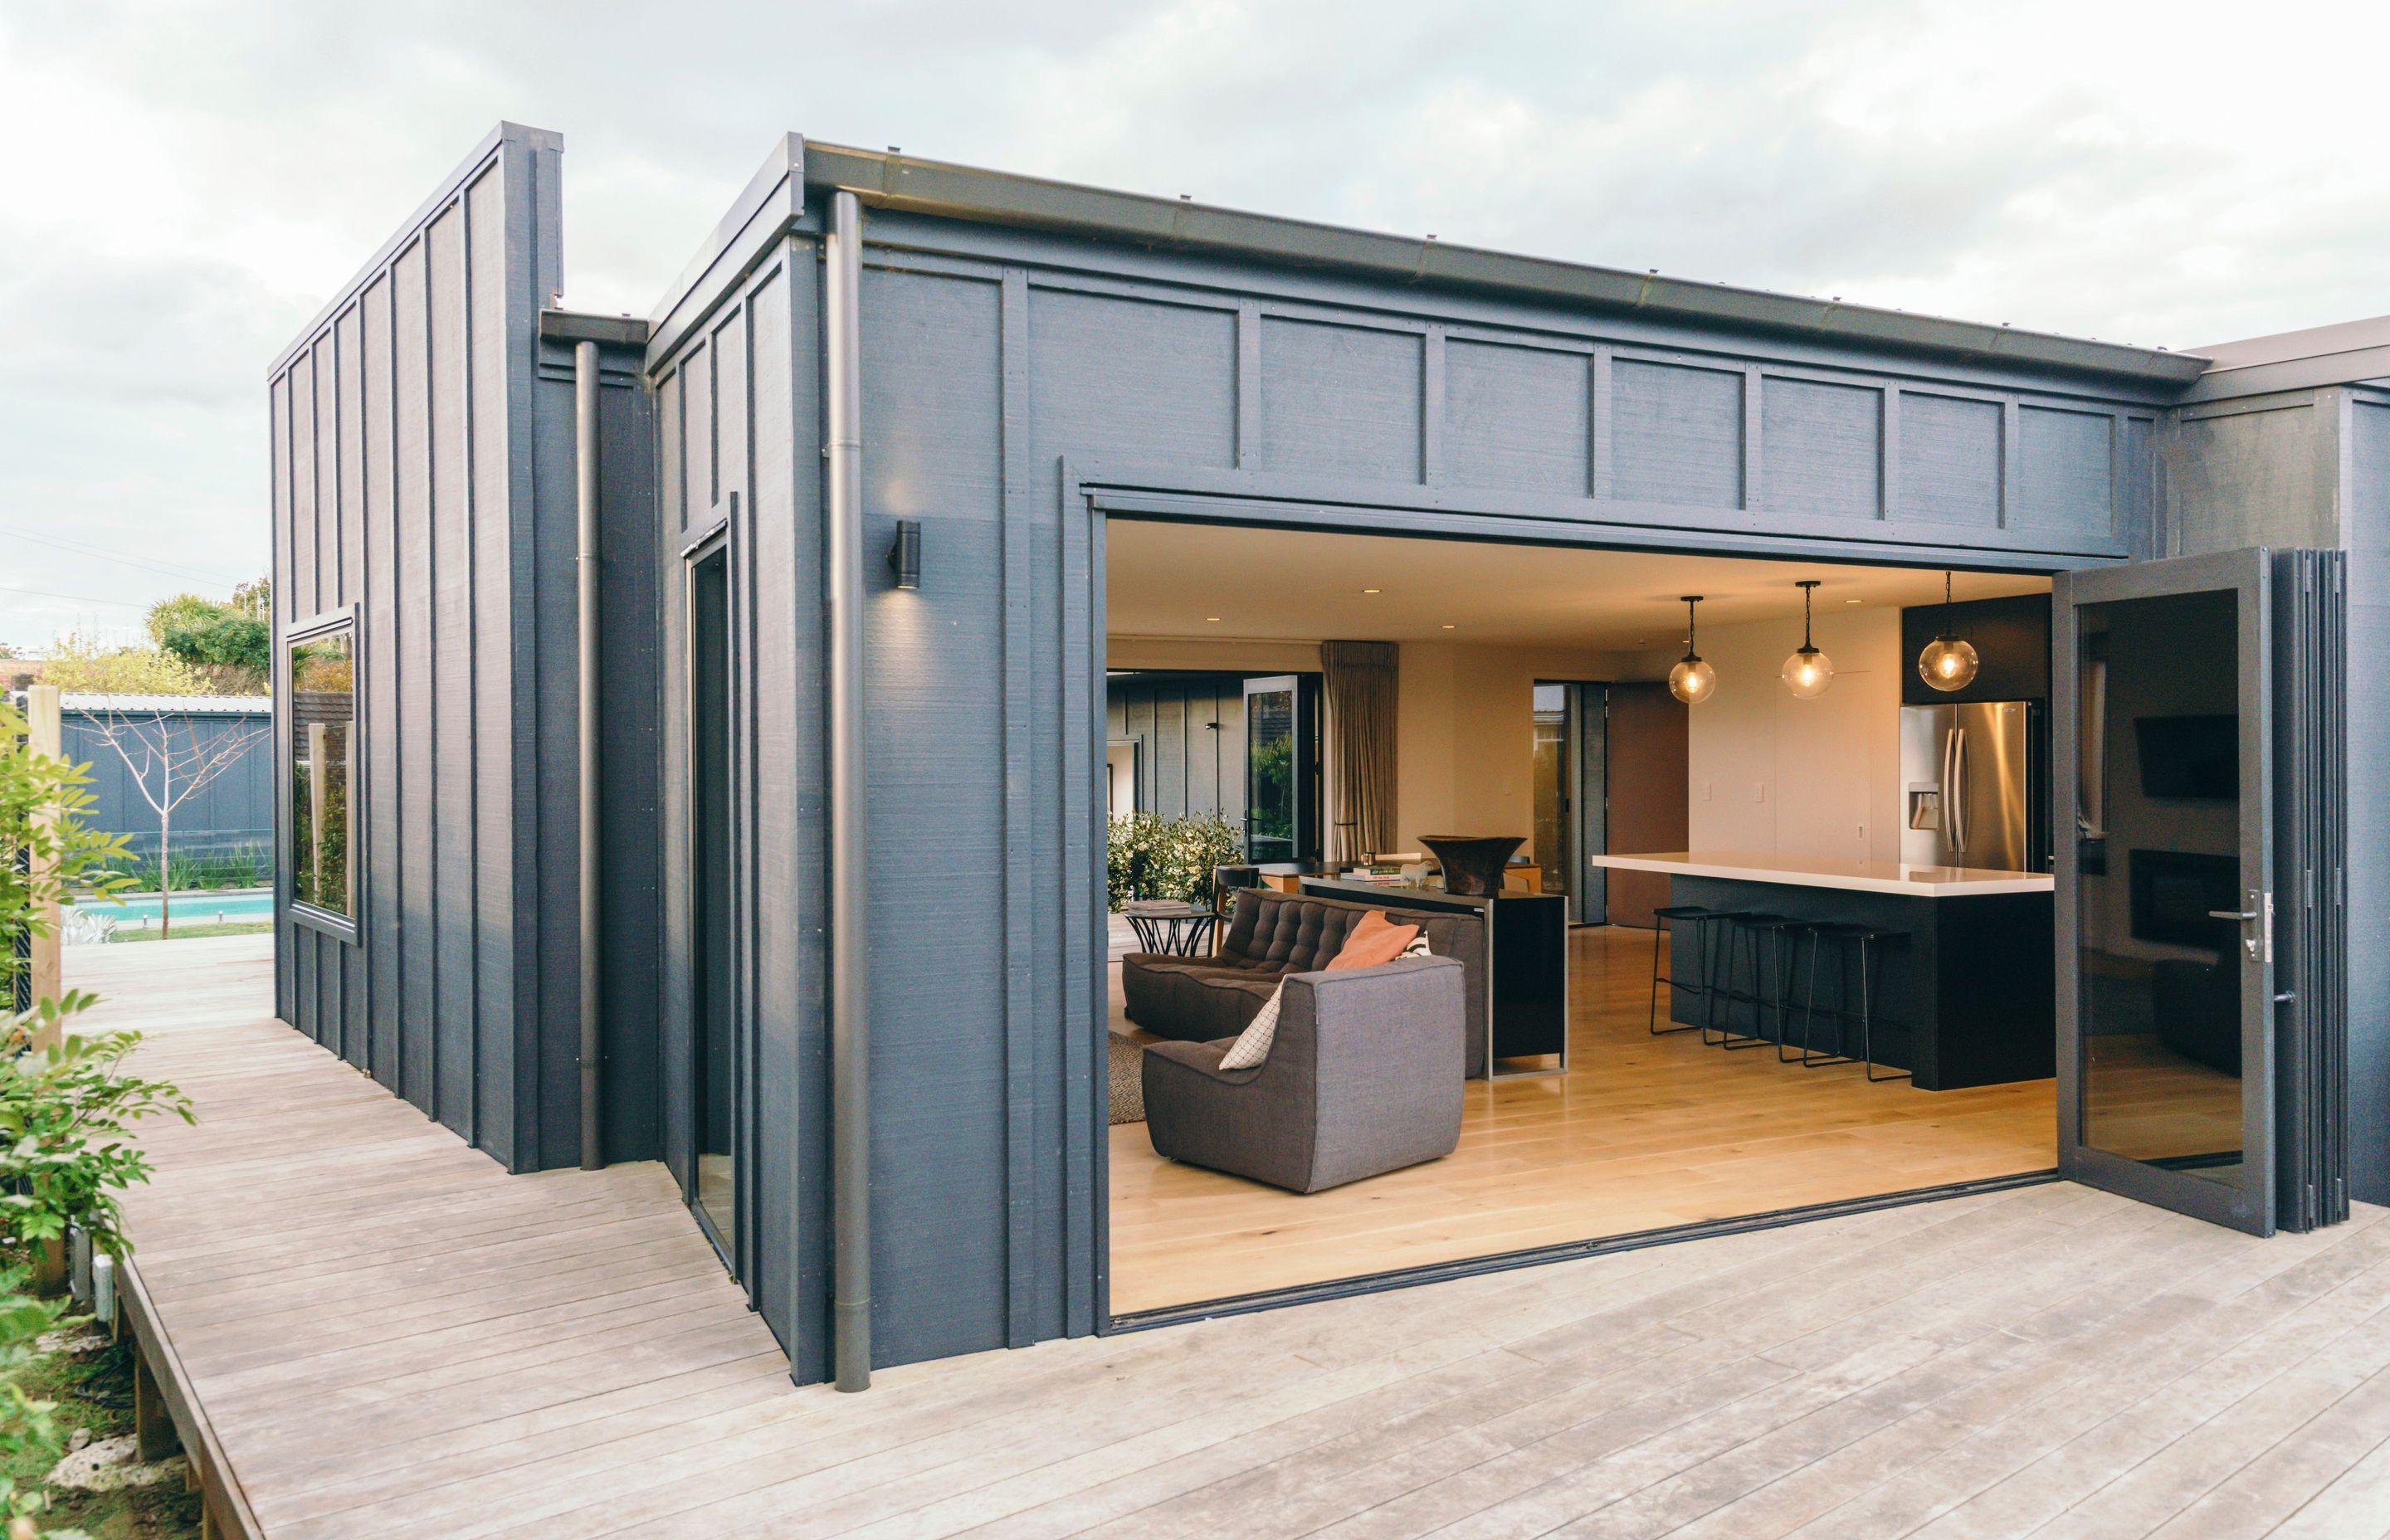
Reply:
x=349, y=928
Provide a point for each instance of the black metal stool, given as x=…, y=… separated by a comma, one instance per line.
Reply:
x=1866, y=943
x=1782, y=935
x=1666, y=919
x=1743, y=926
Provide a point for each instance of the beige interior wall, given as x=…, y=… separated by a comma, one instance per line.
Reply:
x=1229, y=656
x=1465, y=732
x=1773, y=774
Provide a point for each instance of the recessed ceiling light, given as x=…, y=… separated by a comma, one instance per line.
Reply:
x=1373, y=590
x=1448, y=628
x=1213, y=618
x=1855, y=601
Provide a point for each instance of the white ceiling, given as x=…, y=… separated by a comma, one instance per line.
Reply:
x=1170, y=579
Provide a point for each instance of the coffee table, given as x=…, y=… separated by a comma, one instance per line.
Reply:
x=1168, y=928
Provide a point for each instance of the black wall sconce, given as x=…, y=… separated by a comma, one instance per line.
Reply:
x=904, y=555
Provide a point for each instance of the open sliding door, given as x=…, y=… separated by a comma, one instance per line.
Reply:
x=2187, y=1030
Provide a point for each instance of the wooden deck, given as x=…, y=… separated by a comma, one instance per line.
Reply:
x=392, y=1337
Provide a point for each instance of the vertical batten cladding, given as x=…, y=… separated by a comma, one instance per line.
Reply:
x=405, y=486
x=738, y=404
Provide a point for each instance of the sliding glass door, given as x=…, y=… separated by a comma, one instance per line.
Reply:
x=1282, y=768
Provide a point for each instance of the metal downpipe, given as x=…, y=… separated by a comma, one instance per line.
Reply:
x=587, y=565
x=850, y=1035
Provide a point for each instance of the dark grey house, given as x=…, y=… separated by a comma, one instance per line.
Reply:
x=825, y=931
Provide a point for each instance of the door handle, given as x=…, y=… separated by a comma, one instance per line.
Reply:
x=2243, y=915
x=2259, y=946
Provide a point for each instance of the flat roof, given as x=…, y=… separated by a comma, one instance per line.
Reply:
x=890, y=180
x=2341, y=353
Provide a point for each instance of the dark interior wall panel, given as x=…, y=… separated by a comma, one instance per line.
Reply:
x=404, y=480
x=1196, y=720
x=1340, y=400
x=935, y=734
x=1517, y=419
x=1677, y=434
x=1822, y=449
x=1950, y=456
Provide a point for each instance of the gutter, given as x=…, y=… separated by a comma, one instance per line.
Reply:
x=850, y=1035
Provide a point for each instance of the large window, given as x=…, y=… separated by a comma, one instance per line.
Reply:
x=323, y=723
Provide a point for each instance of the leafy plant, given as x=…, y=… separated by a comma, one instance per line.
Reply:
x=1151, y=856
x=240, y=866
x=66, y=1114
x=46, y=852
x=27, y=1423
x=81, y=662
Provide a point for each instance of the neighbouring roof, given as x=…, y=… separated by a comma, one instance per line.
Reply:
x=93, y=703
x=896, y=181
x=2341, y=353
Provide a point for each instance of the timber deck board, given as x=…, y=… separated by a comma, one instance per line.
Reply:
x=391, y=1336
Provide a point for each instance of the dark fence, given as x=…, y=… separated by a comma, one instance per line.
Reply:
x=229, y=820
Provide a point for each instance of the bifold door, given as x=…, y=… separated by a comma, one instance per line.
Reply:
x=2198, y=749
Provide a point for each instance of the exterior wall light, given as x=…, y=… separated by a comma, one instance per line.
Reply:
x=905, y=555
x=1808, y=672
x=1692, y=681
x=1949, y=662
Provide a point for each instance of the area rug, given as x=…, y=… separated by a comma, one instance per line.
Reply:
x=1127, y=1078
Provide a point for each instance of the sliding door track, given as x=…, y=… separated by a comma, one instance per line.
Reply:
x=1503, y=1262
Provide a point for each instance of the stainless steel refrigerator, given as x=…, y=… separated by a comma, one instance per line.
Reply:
x=1970, y=786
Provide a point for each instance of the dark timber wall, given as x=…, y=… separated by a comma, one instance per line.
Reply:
x=1017, y=383
x=422, y=462
x=1190, y=729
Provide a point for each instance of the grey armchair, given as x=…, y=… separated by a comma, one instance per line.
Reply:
x=1366, y=1075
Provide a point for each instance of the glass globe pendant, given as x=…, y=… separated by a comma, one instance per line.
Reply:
x=1692, y=681
x=1949, y=662
x=1809, y=671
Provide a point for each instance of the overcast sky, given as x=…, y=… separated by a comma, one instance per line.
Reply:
x=188, y=180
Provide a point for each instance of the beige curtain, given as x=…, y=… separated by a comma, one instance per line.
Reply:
x=1358, y=680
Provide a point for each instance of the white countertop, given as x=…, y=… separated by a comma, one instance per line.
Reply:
x=1871, y=877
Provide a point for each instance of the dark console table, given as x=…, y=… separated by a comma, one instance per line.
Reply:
x=1526, y=966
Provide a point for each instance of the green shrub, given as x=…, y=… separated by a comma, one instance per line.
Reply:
x=1151, y=856
x=246, y=867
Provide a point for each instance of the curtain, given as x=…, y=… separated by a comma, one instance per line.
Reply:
x=1357, y=681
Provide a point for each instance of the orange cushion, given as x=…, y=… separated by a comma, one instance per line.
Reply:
x=1375, y=939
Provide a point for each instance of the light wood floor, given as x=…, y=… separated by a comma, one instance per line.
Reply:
x=1642, y=1133
x=395, y=1339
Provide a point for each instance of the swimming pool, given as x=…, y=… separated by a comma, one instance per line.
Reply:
x=198, y=906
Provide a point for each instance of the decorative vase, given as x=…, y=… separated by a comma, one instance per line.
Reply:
x=1472, y=864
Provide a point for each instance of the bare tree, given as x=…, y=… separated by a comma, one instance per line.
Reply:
x=170, y=760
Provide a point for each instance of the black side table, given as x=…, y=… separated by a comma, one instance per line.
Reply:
x=1167, y=929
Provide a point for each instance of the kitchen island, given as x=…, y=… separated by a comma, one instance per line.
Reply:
x=1967, y=996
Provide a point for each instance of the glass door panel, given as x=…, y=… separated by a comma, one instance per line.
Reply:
x=1282, y=768
x=2165, y=897
x=713, y=1022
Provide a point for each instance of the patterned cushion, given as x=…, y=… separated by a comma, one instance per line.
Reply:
x=1252, y=1045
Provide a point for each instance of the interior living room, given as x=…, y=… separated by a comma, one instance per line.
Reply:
x=1577, y=893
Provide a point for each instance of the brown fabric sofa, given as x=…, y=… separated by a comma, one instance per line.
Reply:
x=1364, y=1076
x=1271, y=935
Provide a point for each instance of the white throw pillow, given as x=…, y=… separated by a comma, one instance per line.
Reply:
x=1252, y=1045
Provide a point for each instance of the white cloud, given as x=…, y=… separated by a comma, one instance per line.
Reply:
x=189, y=179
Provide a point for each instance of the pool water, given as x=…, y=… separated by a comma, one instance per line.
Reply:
x=198, y=907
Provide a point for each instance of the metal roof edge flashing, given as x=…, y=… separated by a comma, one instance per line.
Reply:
x=964, y=192
x=774, y=195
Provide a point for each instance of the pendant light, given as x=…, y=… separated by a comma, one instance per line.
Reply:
x=1948, y=663
x=1692, y=681
x=1809, y=671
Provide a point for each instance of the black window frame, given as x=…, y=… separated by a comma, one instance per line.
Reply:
x=348, y=928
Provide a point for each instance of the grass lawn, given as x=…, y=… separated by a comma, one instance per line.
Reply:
x=95, y=1391
x=185, y=931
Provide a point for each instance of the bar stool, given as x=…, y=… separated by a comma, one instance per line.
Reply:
x=1745, y=928
x=1668, y=917
x=1866, y=943
x=1782, y=935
